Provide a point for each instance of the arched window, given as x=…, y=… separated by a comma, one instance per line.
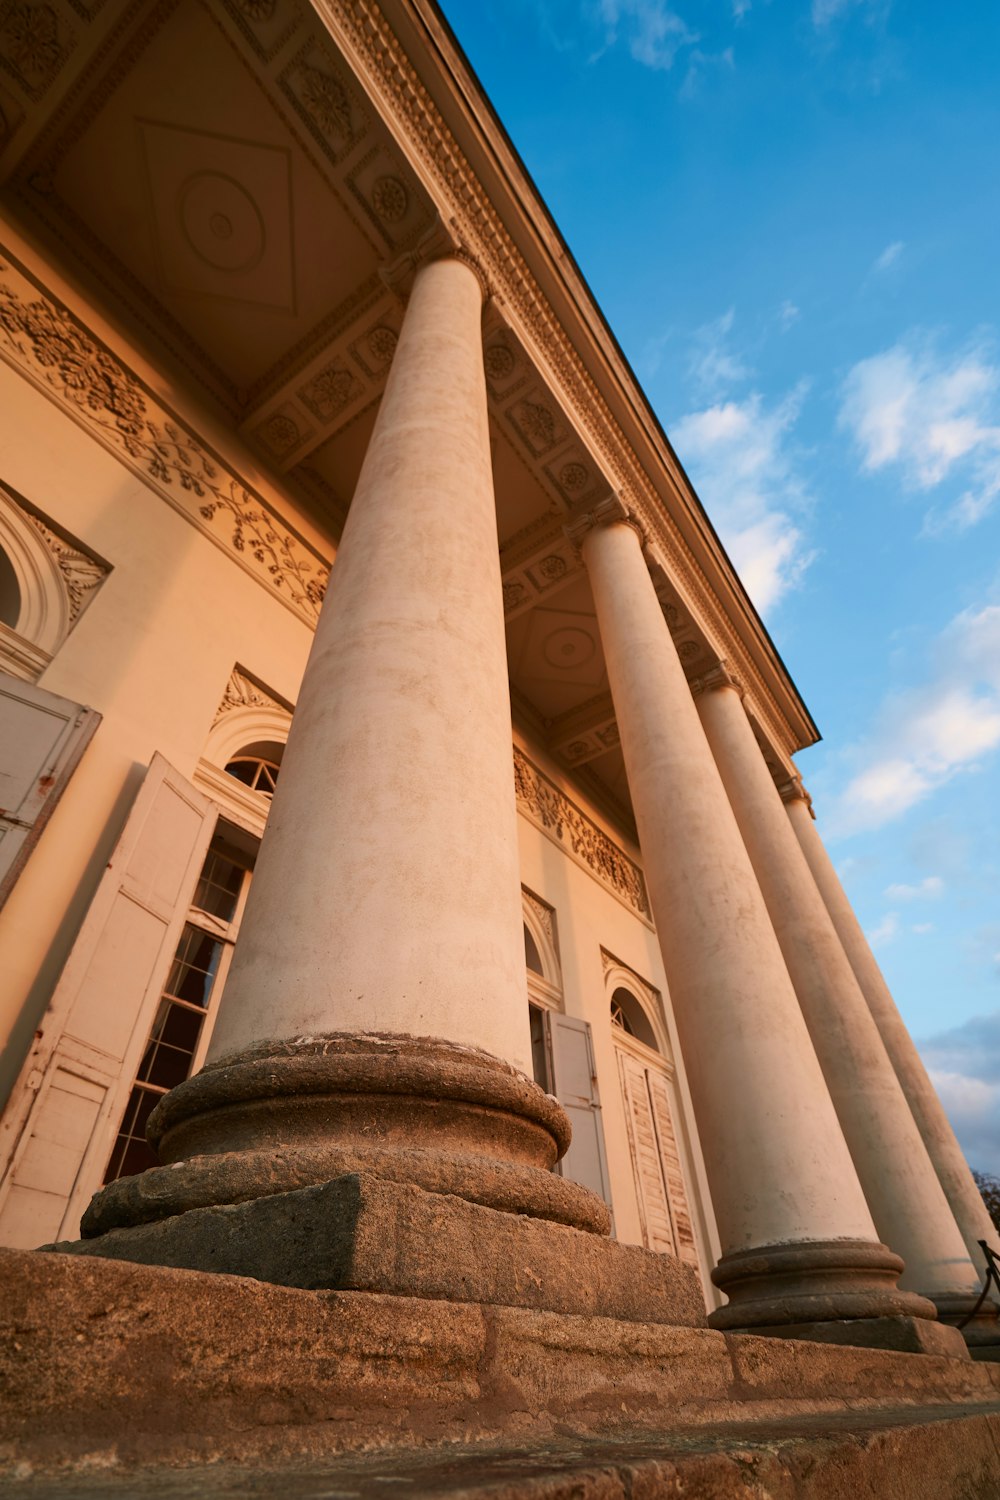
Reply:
x=241, y=762
x=532, y=957
x=257, y=766
x=628, y=1013
x=46, y=582
x=10, y=593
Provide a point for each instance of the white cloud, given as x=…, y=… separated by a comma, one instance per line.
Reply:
x=964, y=1065
x=788, y=314
x=886, y=930
x=932, y=887
x=929, y=733
x=652, y=31
x=921, y=927
x=740, y=8
x=714, y=364
x=889, y=256
x=931, y=417
x=744, y=468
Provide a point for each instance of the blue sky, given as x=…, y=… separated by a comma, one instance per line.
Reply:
x=789, y=211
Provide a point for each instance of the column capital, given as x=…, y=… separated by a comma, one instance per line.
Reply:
x=439, y=243
x=792, y=790
x=719, y=676
x=606, y=513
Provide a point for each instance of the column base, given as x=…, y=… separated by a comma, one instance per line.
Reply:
x=908, y=1335
x=982, y=1332
x=813, y=1282
x=362, y=1233
x=293, y=1114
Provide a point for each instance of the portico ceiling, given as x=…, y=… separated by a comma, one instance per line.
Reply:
x=224, y=187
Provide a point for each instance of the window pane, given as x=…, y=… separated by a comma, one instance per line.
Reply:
x=532, y=957
x=167, y=1059
x=131, y=1153
x=255, y=772
x=539, y=1055
x=219, y=886
x=192, y=972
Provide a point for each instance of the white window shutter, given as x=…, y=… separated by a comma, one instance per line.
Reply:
x=42, y=738
x=58, y=1129
x=654, y=1207
x=659, y=1178
x=670, y=1161
x=574, y=1083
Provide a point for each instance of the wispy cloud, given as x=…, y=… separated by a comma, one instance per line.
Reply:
x=714, y=364
x=788, y=314
x=652, y=31
x=889, y=256
x=825, y=12
x=929, y=733
x=886, y=930
x=964, y=1064
x=742, y=460
x=699, y=63
x=932, y=417
x=931, y=887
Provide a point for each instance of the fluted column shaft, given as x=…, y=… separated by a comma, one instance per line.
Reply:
x=935, y=1128
x=907, y=1202
x=782, y=1180
x=386, y=895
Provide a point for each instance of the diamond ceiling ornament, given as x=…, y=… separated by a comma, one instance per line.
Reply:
x=221, y=215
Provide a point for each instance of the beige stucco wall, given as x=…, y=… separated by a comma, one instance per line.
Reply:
x=152, y=654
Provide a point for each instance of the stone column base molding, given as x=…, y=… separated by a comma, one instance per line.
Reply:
x=906, y=1335
x=239, y=1176
x=812, y=1282
x=292, y=1114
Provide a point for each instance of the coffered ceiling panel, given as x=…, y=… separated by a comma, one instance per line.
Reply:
x=179, y=171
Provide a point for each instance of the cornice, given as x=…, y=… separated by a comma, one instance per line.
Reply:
x=377, y=55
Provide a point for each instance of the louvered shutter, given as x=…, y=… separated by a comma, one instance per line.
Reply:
x=671, y=1163
x=654, y=1208
x=575, y=1086
x=42, y=738
x=62, y=1116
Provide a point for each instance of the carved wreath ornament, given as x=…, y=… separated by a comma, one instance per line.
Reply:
x=86, y=378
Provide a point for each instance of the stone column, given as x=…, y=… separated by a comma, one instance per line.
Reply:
x=908, y=1205
x=935, y=1128
x=799, y=1244
x=375, y=1013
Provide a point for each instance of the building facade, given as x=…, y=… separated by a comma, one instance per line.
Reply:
x=266, y=265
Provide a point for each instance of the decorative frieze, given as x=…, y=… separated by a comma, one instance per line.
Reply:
x=41, y=339
x=552, y=811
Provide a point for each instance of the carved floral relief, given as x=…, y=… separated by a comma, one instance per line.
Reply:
x=42, y=339
x=565, y=824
